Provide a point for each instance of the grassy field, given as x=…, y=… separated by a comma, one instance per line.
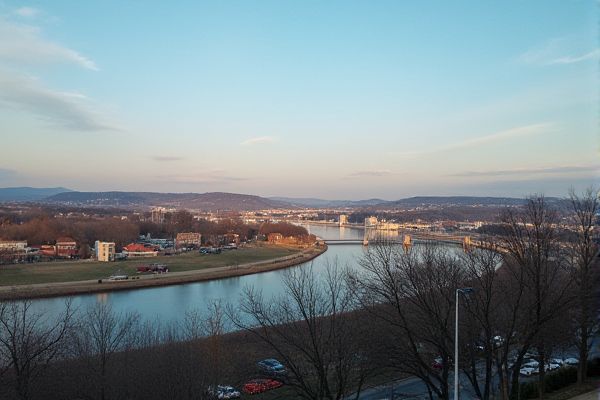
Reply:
x=69, y=271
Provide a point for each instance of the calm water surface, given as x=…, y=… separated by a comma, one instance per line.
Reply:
x=170, y=303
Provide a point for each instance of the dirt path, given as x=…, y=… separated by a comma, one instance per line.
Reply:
x=142, y=281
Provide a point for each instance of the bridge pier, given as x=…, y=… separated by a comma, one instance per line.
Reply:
x=467, y=244
x=407, y=243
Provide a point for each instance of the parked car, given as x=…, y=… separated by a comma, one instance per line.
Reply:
x=498, y=340
x=256, y=386
x=571, y=361
x=272, y=367
x=558, y=361
x=210, y=250
x=224, y=392
x=527, y=371
x=531, y=364
x=552, y=366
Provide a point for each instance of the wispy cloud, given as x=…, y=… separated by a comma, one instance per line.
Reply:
x=481, y=141
x=24, y=43
x=203, y=177
x=258, y=140
x=166, y=158
x=502, y=136
x=553, y=53
x=27, y=12
x=370, y=173
x=594, y=54
x=554, y=170
x=70, y=110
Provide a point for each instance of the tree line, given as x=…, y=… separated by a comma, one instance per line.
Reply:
x=41, y=226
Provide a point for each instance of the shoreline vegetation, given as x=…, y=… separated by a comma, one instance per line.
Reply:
x=178, y=276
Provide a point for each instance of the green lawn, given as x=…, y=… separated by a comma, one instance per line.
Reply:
x=67, y=271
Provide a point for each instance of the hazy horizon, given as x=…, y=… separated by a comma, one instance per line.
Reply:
x=337, y=100
x=317, y=197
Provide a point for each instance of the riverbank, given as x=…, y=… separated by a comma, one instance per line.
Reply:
x=41, y=290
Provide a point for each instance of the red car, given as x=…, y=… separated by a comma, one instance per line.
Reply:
x=261, y=385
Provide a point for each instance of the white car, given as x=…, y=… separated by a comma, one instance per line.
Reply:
x=558, y=361
x=498, y=340
x=527, y=371
x=531, y=364
x=552, y=366
x=571, y=361
x=224, y=392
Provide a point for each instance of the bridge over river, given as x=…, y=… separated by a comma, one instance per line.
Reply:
x=407, y=239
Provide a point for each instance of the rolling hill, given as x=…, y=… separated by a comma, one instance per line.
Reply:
x=200, y=201
x=19, y=194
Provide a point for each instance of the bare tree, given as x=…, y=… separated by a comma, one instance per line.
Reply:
x=413, y=293
x=312, y=329
x=30, y=342
x=213, y=330
x=483, y=323
x=101, y=333
x=539, y=278
x=583, y=250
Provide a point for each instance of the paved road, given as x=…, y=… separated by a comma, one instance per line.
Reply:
x=412, y=389
x=415, y=389
x=593, y=395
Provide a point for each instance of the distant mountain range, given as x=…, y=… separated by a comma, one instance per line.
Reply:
x=28, y=193
x=239, y=202
x=198, y=201
x=410, y=202
x=424, y=201
x=320, y=203
x=465, y=201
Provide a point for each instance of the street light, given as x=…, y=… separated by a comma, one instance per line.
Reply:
x=465, y=291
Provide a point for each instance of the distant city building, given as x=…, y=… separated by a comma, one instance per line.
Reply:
x=158, y=215
x=13, y=246
x=388, y=226
x=371, y=222
x=48, y=250
x=139, y=250
x=278, y=238
x=105, y=251
x=66, y=247
x=231, y=238
x=343, y=220
x=187, y=239
x=274, y=238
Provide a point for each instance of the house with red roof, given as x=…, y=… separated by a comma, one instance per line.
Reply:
x=140, y=250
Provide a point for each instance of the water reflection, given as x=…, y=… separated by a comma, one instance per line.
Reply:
x=101, y=297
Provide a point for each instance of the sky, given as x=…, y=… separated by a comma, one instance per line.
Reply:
x=329, y=99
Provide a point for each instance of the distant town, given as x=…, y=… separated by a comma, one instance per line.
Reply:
x=88, y=229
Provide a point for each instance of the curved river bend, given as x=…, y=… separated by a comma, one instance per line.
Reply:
x=170, y=303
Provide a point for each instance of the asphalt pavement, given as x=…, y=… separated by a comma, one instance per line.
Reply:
x=415, y=389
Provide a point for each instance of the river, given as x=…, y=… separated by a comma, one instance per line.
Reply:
x=170, y=303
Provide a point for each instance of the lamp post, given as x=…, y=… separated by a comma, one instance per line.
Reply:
x=465, y=291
